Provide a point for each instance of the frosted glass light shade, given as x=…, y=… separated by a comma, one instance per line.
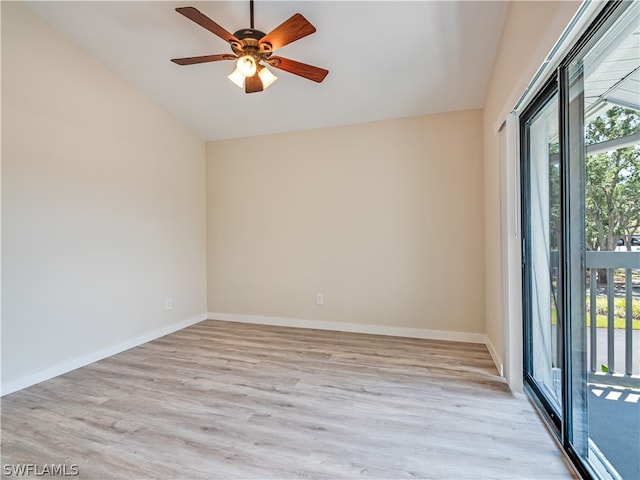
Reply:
x=237, y=78
x=267, y=77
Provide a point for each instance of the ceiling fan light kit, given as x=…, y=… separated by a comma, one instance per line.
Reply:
x=252, y=47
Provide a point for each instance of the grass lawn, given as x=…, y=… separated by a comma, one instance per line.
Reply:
x=619, y=312
x=602, y=312
x=601, y=322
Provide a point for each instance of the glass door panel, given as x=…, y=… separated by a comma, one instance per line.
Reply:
x=603, y=118
x=542, y=280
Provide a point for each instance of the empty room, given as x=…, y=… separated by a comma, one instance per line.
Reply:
x=320, y=239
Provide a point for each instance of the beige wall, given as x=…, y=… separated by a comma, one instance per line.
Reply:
x=103, y=206
x=530, y=31
x=384, y=219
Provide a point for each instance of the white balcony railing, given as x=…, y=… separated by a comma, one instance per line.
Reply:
x=621, y=355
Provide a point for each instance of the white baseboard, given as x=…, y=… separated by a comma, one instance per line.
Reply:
x=84, y=360
x=352, y=327
x=495, y=356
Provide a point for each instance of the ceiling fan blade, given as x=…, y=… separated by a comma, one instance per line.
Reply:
x=201, y=19
x=253, y=84
x=203, y=59
x=316, y=74
x=289, y=31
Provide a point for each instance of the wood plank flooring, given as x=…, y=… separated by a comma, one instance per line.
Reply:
x=239, y=401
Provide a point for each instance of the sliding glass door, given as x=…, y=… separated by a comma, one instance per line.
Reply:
x=580, y=152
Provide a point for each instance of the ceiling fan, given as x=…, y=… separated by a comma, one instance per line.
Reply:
x=252, y=47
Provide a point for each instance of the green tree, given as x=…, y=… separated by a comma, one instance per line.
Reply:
x=612, y=200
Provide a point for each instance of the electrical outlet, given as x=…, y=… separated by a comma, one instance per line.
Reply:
x=319, y=299
x=168, y=304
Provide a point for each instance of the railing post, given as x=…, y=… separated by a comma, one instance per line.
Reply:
x=610, y=329
x=628, y=331
x=593, y=288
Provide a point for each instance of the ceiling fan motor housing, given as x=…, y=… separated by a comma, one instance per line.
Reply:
x=249, y=44
x=249, y=33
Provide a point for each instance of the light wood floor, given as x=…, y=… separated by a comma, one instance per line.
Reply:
x=225, y=400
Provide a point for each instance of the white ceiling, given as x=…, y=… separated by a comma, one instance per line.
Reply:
x=386, y=60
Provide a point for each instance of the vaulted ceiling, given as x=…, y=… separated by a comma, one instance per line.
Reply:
x=386, y=60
